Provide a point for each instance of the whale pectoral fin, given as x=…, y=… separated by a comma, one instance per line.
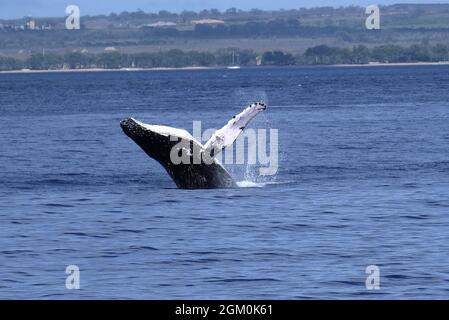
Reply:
x=227, y=135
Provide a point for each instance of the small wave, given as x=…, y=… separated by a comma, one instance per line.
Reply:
x=228, y=280
x=58, y=205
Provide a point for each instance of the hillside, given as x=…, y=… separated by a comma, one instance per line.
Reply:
x=247, y=33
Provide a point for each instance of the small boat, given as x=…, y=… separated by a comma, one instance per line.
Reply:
x=233, y=66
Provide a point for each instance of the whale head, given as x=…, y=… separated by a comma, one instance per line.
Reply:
x=155, y=143
x=132, y=128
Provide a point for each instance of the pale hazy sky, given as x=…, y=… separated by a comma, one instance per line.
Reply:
x=50, y=8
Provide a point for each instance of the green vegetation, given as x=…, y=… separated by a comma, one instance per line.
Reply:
x=314, y=36
x=319, y=55
x=7, y=63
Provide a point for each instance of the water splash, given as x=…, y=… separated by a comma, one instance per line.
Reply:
x=248, y=96
x=248, y=175
x=249, y=184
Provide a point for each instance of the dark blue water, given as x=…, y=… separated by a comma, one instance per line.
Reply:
x=363, y=180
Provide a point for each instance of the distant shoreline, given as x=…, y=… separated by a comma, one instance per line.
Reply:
x=395, y=64
x=368, y=65
x=104, y=70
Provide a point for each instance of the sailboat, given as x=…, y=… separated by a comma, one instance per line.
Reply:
x=233, y=66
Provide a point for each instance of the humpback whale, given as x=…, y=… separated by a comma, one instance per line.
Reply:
x=203, y=170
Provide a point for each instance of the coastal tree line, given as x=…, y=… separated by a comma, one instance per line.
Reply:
x=275, y=28
x=319, y=55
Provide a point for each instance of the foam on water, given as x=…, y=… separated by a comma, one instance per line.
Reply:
x=250, y=184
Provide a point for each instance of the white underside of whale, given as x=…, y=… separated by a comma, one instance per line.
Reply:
x=169, y=131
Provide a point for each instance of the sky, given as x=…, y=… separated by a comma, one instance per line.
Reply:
x=56, y=8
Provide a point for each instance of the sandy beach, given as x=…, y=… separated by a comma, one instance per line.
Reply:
x=104, y=70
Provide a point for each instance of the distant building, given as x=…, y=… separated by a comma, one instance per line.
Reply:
x=258, y=60
x=31, y=24
x=207, y=21
x=110, y=49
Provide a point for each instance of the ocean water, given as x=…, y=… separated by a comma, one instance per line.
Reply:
x=363, y=180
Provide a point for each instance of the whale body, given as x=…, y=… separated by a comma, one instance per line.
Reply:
x=201, y=170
